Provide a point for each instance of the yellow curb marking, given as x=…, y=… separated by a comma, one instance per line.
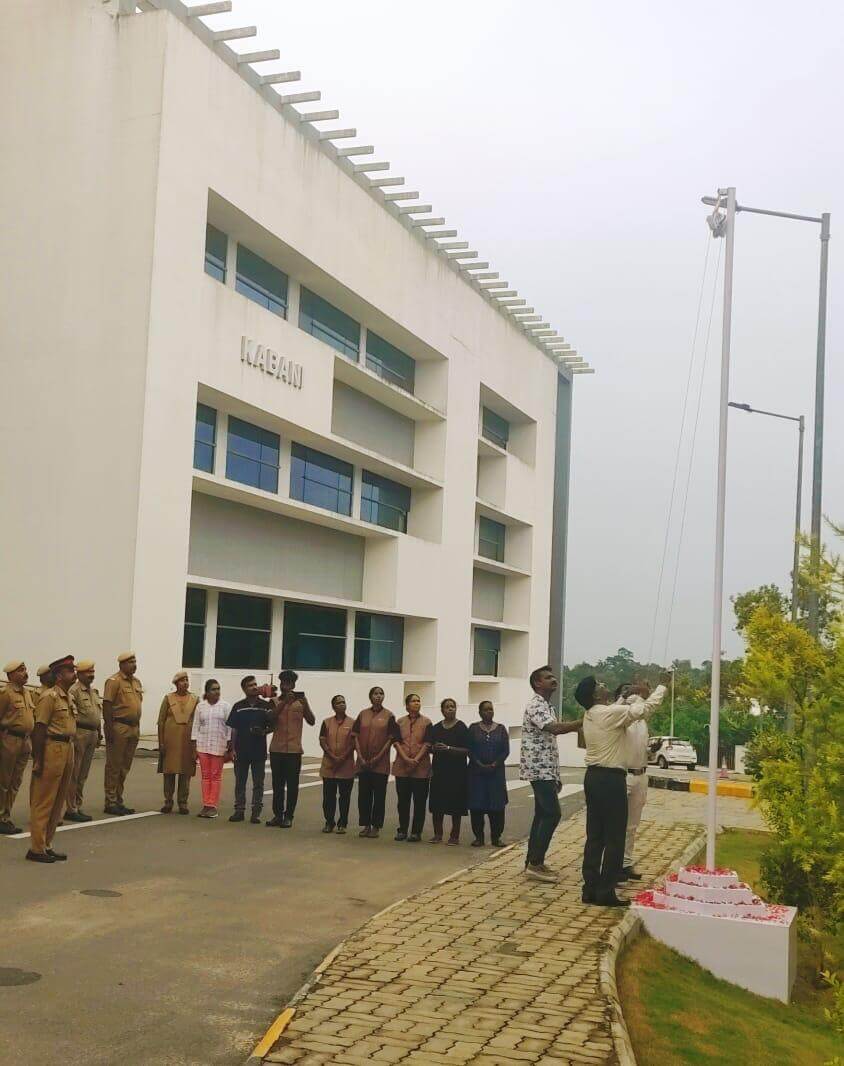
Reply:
x=724, y=788
x=273, y=1033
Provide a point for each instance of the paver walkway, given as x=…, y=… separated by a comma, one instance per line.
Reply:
x=485, y=968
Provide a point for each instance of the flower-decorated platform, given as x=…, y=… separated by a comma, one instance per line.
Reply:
x=716, y=919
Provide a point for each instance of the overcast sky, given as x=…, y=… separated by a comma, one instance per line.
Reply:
x=570, y=143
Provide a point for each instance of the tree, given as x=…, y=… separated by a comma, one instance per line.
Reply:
x=768, y=596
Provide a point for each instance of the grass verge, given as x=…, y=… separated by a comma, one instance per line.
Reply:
x=677, y=1013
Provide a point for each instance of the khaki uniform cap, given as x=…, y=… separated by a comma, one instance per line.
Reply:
x=124, y=655
x=180, y=675
x=85, y=664
x=15, y=664
x=42, y=670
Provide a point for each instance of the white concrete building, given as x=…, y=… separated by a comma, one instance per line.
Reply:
x=255, y=414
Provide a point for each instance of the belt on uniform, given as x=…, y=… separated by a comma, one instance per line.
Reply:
x=607, y=769
x=84, y=725
x=125, y=721
x=637, y=773
x=14, y=732
x=62, y=738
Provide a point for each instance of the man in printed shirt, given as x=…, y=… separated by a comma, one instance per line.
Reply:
x=540, y=764
x=605, y=786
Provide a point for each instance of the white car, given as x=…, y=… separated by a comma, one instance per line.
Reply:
x=671, y=751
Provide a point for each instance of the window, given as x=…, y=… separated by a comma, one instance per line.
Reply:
x=193, y=644
x=384, y=502
x=320, y=479
x=487, y=651
x=495, y=428
x=491, y=539
x=390, y=363
x=314, y=637
x=205, y=438
x=252, y=456
x=261, y=281
x=243, y=632
x=216, y=247
x=329, y=324
x=379, y=643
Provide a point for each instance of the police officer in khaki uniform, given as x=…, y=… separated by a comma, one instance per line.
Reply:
x=16, y=722
x=52, y=761
x=45, y=676
x=89, y=736
x=122, y=699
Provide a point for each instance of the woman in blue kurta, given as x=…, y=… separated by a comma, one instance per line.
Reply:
x=489, y=746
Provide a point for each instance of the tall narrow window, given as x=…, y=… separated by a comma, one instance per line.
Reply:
x=216, y=247
x=328, y=323
x=384, y=502
x=390, y=363
x=379, y=643
x=252, y=455
x=491, y=539
x=314, y=637
x=495, y=428
x=261, y=282
x=205, y=438
x=487, y=651
x=193, y=643
x=243, y=632
x=320, y=480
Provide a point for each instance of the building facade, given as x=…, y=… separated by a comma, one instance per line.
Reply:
x=254, y=417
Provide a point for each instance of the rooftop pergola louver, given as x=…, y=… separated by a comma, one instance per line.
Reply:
x=475, y=272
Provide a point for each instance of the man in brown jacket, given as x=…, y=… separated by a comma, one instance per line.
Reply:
x=16, y=722
x=122, y=700
x=52, y=762
x=89, y=735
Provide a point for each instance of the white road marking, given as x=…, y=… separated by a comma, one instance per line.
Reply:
x=95, y=822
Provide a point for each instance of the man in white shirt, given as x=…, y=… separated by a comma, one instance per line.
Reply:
x=636, y=739
x=605, y=726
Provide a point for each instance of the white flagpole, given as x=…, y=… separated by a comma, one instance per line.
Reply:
x=727, y=197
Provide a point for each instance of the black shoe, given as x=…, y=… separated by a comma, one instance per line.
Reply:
x=273, y=822
x=478, y=842
x=414, y=838
x=39, y=856
x=114, y=809
x=75, y=816
x=341, y=829
x=8, y=828
x=629, y=873
x=57, y=856
x=497, y=842
x=400, y=835
x=238, y=816
x=184, y=810
x=286, y=822
x=587, y=895
x=81, y=816
x=166, y=809
x=328, y=828
x=126, y=810
x=611, y=900
x=256, y=818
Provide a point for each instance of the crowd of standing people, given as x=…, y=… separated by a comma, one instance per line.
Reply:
x=447, y=769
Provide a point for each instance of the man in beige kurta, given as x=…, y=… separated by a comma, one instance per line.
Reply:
x=176, y=758
x=16, y=722
x=122, y=700
x=89, y=735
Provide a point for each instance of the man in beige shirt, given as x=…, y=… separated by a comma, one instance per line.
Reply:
x=605, y=785
x=17, y=719
x=89, y=735
x=122, y=700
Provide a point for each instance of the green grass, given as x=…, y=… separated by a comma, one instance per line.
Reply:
x=678, y=1013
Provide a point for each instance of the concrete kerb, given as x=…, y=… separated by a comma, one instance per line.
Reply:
x=618, y=938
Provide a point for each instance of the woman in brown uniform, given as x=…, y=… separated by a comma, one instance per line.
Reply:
x=176, y=757
x=374, y=731
x=412, y=769
x=338, y=765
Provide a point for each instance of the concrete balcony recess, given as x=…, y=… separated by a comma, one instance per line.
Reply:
x=377, y=463
x=498, y=514
x=224, y=489
x=505, y=627
x=360, y=377
x=486, y=447
x=492, y=566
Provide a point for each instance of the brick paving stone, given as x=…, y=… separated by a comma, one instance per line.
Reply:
x=496, y=970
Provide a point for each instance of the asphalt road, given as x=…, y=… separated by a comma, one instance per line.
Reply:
x=197, y=932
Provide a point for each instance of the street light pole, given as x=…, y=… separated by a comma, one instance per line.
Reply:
x=801, y=422
x=817, y=460
x=820, y=372
x=722, y=226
